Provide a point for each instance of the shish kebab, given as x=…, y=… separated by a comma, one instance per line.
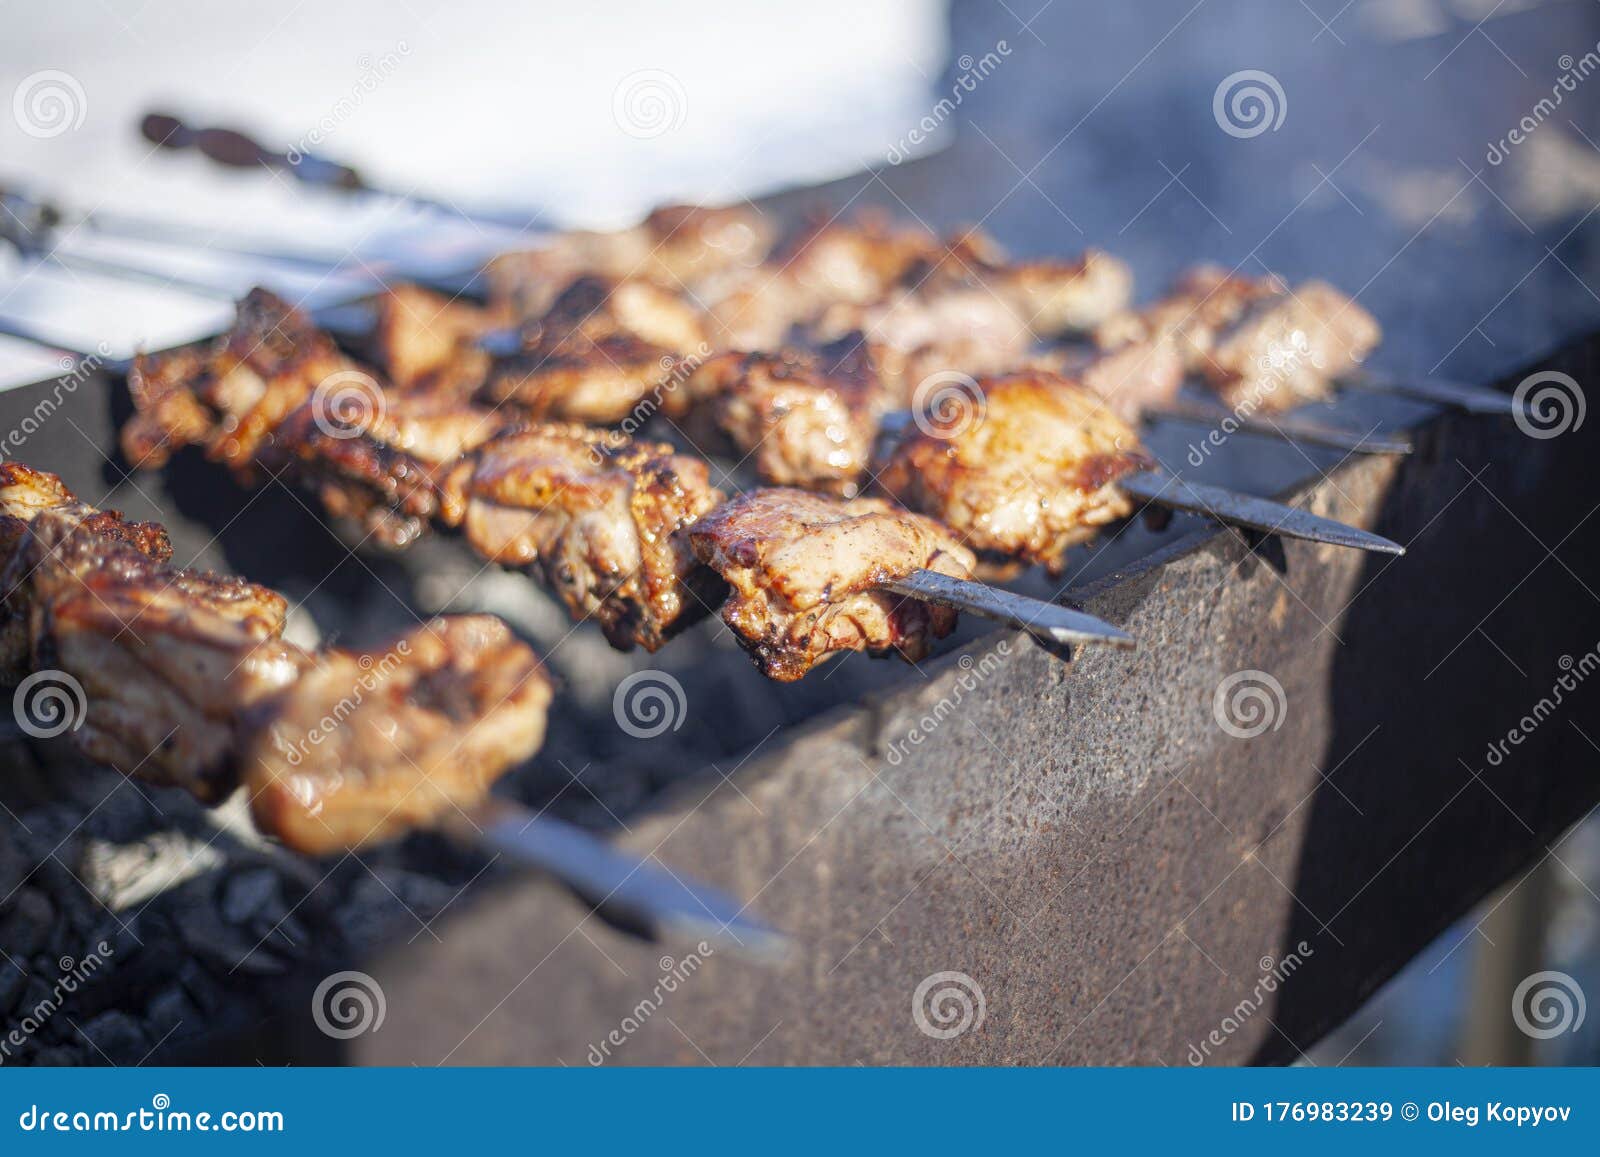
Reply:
x=597, y=516
x=182, y=678
x=927, y=305
x=632, y=534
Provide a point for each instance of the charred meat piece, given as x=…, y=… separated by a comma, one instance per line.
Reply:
x=599, y=518
x=673, y=246
x=229, y=398
x=1131, y=378
x=420, y=333
x=603, y=349
x=163, y=658
x=1031, y=474
x=914, y=334
x=803, y=570
x=804, y=418
x=182, y=678
x=380, y=457
x=365, y=746
x=1254, y=339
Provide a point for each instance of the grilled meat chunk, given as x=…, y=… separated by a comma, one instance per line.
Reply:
x=183, y=678
x=675, y=245
x=380, y=457
x=366, y=745
x=603, y=349
x=1032, y=475
x=804, y=418
x=419, y=334
x=161, y=659
x=232, y=396
x=1254, y=340
x=1131, y=378
x=599, y=518
x=803, y=568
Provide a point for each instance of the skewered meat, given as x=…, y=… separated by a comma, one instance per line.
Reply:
x=601, y=349
x=804, y=418
x=364, y=746
x=803, y=568
x=675, y=245
x=599, y=518
x=380, y=457
x=420, y=333
x=186, y=681
x=1032, y=475
x=1254, y=340
x=1131, y=378
x=230, y=397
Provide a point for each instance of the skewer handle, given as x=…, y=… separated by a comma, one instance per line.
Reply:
x=239, y=150
x=624, y=890
x=1049, y=621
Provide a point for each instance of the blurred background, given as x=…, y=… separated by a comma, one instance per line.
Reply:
x=1365, y=141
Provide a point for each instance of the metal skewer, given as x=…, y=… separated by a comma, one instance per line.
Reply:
x=1454, y=395
x=1250, y=512
x=623, y=889
x=1049, y=621
x=237, y=149
x=1282, y=427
